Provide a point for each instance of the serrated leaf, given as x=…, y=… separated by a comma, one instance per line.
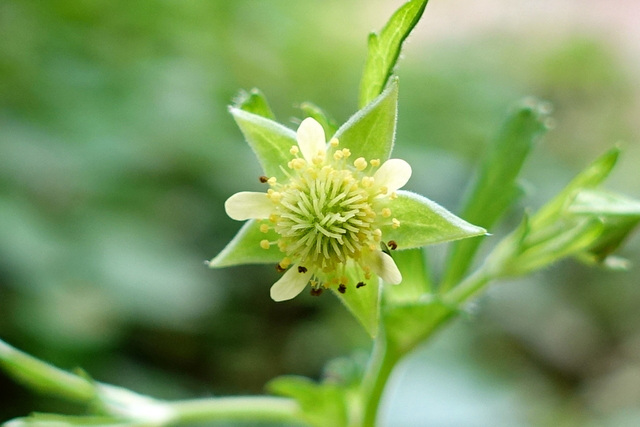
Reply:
x=322, y=405
x=424, y=222
x=245, y=248
x=415, y=277
x=363, y=302
x=496, y=187
x=329, y=125
x=384, y=49
x=370, y=132
x=409, y=324
x=254, y=102
x=269, y=140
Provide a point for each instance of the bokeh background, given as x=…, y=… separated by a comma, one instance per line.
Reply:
x=117, y=153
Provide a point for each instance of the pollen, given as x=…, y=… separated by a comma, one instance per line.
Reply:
x=367, y=181
x=272, y=180
x=375, y=162
x=360, y=163
x=264, y=244
x=386, y=212
x=264, y=228
x=395, y=223
x=346, y=152
x=334, y=142
x=294, y=150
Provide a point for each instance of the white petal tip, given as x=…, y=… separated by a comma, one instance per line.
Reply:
x=393, y=174
x=248, y=205
x=290, y=284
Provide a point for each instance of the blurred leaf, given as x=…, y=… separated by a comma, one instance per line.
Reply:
x=55, y=420
x=496, y=187
x=592, y=176
x=415, y=277
x=323, y=405
x=254, y=102
x=362, y=302
x=384, y=49
x=620, y=216
x=424, y=222
x=269, y=140
x=42, y=377
x=370, y=132
x=328, y=124
x=407, y=324
x=245, y=248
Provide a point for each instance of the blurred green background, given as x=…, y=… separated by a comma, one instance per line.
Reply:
x=117, y=153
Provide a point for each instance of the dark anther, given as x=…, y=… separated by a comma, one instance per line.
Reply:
x=392, y=245
x=316, y=292
x=302, y=269
x=360, y=284
x=342, y=288
x=263, y=179
x=280, y=269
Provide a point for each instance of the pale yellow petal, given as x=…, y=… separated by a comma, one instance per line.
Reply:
x=384, y=266
x=311, y=140
x=248, y=205
x=393, y=174
x=290, y=284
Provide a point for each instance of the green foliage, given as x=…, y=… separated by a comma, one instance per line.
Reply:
x=424, y=222
x=363, y=302
x=496, y=187
x=254, y=102
x=245, y=248
x=269, y=140
x=384, y=49
x=370, y=132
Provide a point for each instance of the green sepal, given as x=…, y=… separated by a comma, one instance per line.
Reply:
x=329, y=125
x=322, y=405
x=363, y=302
x=56, y=420
x=269, y=140
x=424, y=222
x=415, y=277
x=245, y=248
x=620, y=215
x=496, y=187
x=370, y=132
x=384, y=49
x=408, y=324
x=254, y=102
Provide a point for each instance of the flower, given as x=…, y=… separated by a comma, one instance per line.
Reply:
x=327, y=214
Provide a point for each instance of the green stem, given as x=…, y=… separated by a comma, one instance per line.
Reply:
x=244, y=408
x=469, y=286
x=383, y=360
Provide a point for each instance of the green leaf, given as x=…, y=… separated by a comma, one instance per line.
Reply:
x=55, y=420
x=43, y=377
x=415, y=277
x=270, y=140
x=363, y=302
x=329, y=125
x=590, y=177
x=423, y=222
x=384, y=49
x=620, y=215
x=496, y=187
x=370, y=132
x=254, y=102
x=408, y=324
x=323, y=405
x=245, y=248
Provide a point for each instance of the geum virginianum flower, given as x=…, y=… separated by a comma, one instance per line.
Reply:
x=331, y=217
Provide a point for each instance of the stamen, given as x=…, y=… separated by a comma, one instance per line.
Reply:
x=294, y=150
x=360, y=163
x=386, y=212
x=264, y=244
x=263, y=179
x=342, y=288
x=375, y=162
x=264, y=228
x=395, y=223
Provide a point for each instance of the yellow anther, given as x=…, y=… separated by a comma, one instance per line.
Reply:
x=338, y=155
x=264, y=228
x=377, y=232
x=384, y=190
x=372, y=246
x=275, y=196
x=367, y=181
x=346, y=152
x=294, y=150
x=273, y=218
x=360, y=163
x=318, y=160
x=264, y=244
x=395, y=223
x=386, y=212
x=297, y=164
x=334, y=142
x=286, y=262
x=272, y=180
x=393, y=196
x=375, y=162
